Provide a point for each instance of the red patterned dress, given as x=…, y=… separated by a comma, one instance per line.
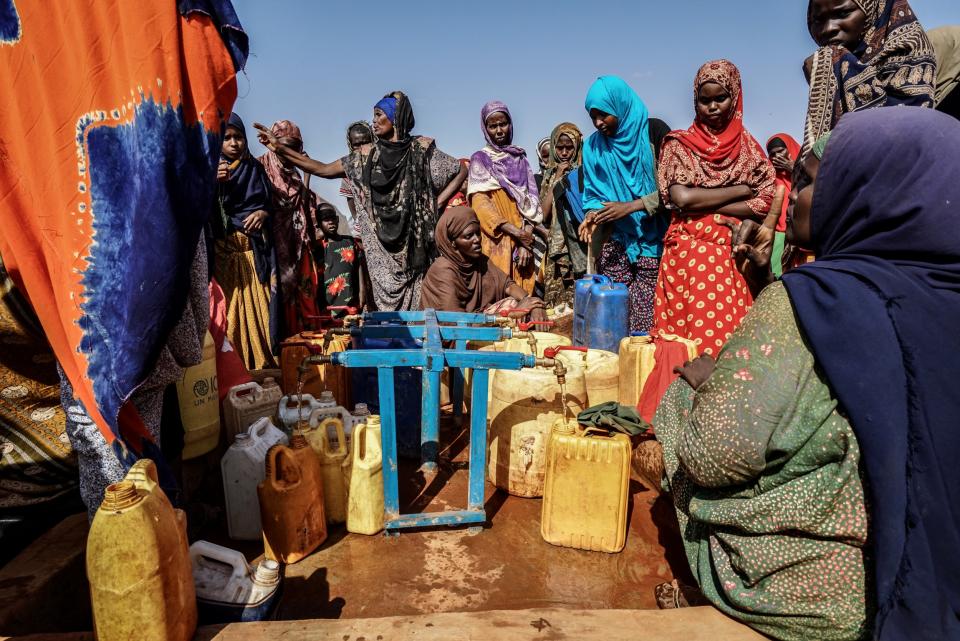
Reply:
x=700, y=293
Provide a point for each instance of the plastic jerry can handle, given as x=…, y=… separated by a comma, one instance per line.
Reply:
x=290, y=401
x=258, y=429
x=596, y=431
x=207, y=550
x=243, y=390
x=600, y=279
x=273, y=467
x=341, y=436
x=143, y=473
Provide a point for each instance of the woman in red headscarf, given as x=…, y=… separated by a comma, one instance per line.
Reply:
x=708, y=174
x=294, y=232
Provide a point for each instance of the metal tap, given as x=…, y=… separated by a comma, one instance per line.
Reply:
x=313, y=359
x=561, y=371
x=558, y=369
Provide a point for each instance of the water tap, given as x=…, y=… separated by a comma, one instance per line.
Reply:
x=313, y=359
x=551, y=354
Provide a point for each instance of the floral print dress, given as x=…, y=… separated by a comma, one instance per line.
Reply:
x=340, y=276
x=766, y=480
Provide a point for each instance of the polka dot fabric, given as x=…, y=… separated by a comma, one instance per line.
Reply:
x=700, y=294
x=765, y=477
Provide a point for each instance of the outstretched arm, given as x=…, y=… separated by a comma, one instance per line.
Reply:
x=451, y=189
x=304, y=162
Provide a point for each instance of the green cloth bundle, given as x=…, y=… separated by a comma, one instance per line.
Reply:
x=615, y=417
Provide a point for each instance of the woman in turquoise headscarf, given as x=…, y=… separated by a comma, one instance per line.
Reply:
x=624, y=218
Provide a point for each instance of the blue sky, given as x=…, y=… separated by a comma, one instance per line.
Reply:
x=324, y=64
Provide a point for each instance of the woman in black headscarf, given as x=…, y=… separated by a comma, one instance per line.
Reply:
x=244, y=263
x=402, y=181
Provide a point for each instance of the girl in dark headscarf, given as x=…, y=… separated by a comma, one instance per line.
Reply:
x=462, y=279
x=244, y=254
x=566, y=155
x=359, y=135
x=873, y=53
x=401, y=181
x=503, y=192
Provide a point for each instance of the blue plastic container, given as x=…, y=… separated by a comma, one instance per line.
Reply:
x=407, y=390
x=601, y=313
x=581, y=294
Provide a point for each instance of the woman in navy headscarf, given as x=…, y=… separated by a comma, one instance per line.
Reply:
x=813, y=465
x=244, y=263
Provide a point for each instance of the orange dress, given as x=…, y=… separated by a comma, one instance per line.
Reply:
x=494, y=209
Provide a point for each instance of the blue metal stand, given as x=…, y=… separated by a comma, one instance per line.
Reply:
x=433, y=358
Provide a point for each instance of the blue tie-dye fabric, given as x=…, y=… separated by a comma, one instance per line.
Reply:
x=9, y=22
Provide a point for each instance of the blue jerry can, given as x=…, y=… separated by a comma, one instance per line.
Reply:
x=601, y=315
x=407, y=389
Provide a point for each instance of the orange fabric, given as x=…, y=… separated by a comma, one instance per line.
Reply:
x=494, y=209
x=74, y=69
x=667, y=355
x=230, y=368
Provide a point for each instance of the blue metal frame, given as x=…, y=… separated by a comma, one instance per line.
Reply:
x=433, y=359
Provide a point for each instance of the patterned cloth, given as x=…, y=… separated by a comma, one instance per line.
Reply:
x=339, y=275
x=495, y=209
x=293, y=225
x=700, y=293
x=506, y=168
x=559, y=272
x=247, y=299
x=111, y=190
x=395, y=282
x=639, y=277
x=894, y=64
x=765, y=477
x=37, y=464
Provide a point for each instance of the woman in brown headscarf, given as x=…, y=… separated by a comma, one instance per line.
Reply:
x=462, y=279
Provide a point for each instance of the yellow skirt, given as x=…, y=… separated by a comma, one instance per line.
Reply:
x=248, y=301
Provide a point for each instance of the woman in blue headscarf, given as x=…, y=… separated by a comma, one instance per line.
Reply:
x=624, y=218
x=401, y=182
x=813, y=465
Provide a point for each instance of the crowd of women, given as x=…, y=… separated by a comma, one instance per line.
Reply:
x=809, y=464
x=809, y=451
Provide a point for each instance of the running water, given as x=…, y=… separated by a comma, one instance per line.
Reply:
x=299, y=428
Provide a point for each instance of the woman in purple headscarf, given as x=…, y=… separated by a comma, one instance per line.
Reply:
x=503, y=192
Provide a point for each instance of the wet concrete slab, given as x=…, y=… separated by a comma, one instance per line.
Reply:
x=504, y=566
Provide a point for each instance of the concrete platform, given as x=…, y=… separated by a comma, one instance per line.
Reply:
x=505, y=566
x=690, y=624
x=503, y=582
